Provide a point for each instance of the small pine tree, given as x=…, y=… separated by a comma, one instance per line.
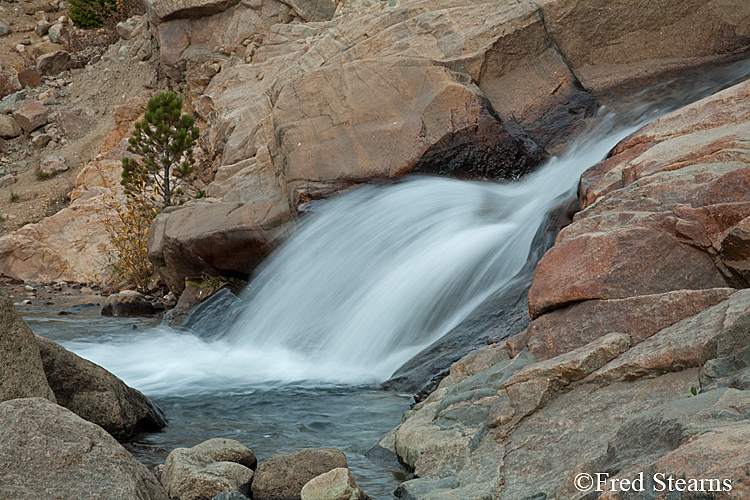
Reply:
x=164, y=141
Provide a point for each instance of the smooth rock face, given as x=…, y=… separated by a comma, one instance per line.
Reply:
x=333, y=94
x=686, y=344
x=337, y=484
x=283, y=476
x=21, y=371
x=31, y=115
x=669, y=194
x=447, y=109
x=640, y=317
x=96, y=395
x=226, y=238
x=207, y=469
x=127, y=303
x=46, y=451
x=66, y=246
x=544, y=422
x=627, y=32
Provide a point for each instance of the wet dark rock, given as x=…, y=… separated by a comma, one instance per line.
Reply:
x=96, y=395
x=127, y=303
x=214, y=315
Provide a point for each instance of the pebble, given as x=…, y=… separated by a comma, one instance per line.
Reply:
x=47, y=94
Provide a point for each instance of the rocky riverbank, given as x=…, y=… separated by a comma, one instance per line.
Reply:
x=62, y=417
x=633, y=361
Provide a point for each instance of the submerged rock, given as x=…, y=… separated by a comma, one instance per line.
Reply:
x=46, y=451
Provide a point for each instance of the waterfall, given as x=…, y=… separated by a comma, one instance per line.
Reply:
x=370, y=278
x=377, y=274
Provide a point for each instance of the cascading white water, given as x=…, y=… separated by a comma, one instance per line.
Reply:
x=371, y=278
x=379, y=273
x=366, y=282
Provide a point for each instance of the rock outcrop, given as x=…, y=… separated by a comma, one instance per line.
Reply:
x=299, y=99
x=670, y=194
x=46, y=451
x=521, y=428
x=71, y=244
x=21, y=371
x=304, y=98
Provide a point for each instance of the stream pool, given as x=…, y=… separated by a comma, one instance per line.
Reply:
x=268, y=419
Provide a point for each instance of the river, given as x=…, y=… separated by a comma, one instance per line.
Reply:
x=369, y=279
